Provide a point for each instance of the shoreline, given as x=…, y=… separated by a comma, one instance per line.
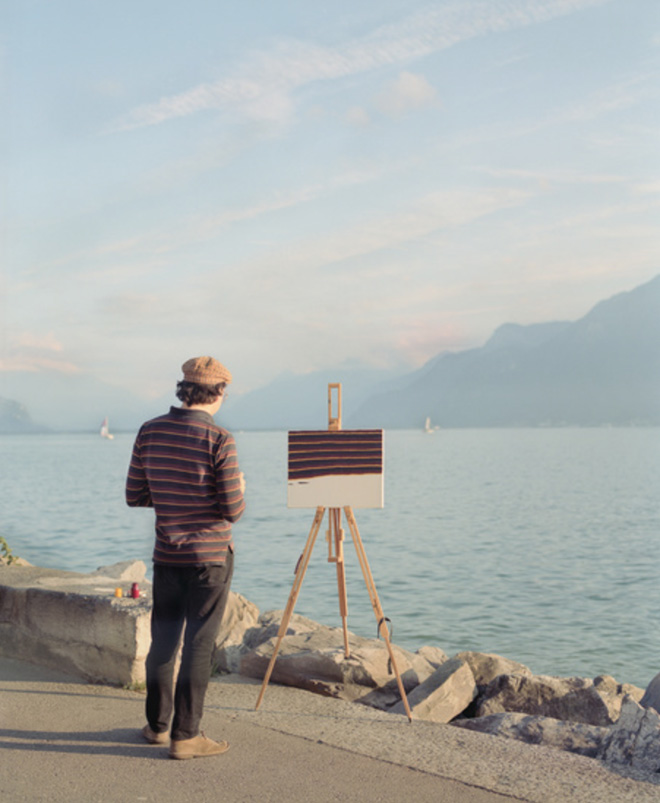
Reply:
x=332, y=620
x=66, y=740
x=74, y=623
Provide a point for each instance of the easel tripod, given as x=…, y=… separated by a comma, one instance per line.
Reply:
x=335, y=539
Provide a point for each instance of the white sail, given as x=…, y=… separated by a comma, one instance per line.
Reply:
x=105, y=430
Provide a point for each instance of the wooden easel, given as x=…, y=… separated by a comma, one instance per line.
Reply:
x=335, y=539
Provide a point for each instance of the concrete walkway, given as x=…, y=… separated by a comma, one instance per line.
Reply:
x=62, y=739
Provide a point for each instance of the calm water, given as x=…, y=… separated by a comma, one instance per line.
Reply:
x=540, y=545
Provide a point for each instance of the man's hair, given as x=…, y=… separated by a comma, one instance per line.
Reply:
x=191, y=393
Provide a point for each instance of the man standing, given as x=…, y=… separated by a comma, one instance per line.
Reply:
x=185, y=466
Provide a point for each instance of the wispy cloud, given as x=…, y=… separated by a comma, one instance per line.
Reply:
x=441, y=211
x=548, y=177
x=30, y=352
x=408, y=92
x=648, y=188
x=137, y=256
x=262, y=85
x=358, y=117
x=620, y=95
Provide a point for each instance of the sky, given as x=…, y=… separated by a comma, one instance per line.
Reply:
x=291, y=185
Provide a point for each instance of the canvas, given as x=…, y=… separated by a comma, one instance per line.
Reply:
x=336, y=468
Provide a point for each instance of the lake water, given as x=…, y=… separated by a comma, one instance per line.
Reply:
x=537, y=544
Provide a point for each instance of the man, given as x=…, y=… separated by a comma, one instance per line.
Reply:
x=185, y=466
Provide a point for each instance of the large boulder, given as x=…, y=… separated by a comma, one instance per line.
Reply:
x=74, y=623
x=574, y=737
x=614, y=693
x=635, y=738
x=268, y=625
x=434, y=655
x=487, y=666
x=313, y=658
x=594, y=702
x=651, y=697
x=241, y=616
x=444, y=695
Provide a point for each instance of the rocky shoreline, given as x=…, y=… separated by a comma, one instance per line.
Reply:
x=74, y=622
x=600, y=718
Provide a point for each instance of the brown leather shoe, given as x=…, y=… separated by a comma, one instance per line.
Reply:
x=154, y=738
x=197, y=747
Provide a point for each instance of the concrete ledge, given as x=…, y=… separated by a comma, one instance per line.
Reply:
x=74, y=623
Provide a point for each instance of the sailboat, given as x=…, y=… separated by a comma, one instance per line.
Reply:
x=427, y=426
x=105, y=430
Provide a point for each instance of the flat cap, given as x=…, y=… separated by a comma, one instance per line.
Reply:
x=205, y=371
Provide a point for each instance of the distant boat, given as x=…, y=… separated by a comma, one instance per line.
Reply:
x=105, y=430
x=427, y=427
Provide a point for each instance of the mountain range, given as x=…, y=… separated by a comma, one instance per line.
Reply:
x=603, y=369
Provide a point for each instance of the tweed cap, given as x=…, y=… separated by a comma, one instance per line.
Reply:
x=205, y=371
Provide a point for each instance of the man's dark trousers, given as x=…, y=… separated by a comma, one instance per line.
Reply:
x=195, y=596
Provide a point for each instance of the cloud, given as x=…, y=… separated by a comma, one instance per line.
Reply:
x=127, y=306
x=407, y=93
x=620, y=95
x=546, y=178
x=438, y=211
x=420, y=339
x=208, y=227
x=108, y=88
x=263, y=83
x=358, y=117
x=29, y=352
x=133, y=260
x=648, y=188
x=32, y=342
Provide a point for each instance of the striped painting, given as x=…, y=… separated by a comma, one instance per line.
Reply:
x=336, y=468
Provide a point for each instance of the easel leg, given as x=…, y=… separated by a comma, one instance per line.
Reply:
x=375, y=602
x=336, y=532
x=301, y=568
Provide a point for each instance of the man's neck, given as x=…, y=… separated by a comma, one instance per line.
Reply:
x=211, y=409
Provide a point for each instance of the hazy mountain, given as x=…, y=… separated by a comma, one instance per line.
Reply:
x=601, y=369
x=74, y=402
x=14, y=418
x=300, y=401
x=77, y=402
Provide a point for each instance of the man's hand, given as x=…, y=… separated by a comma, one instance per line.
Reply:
x=241, y=481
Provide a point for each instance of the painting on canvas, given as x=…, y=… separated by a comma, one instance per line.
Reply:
x=335, y=468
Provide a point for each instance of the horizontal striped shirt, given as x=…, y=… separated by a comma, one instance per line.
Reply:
x=185, y=466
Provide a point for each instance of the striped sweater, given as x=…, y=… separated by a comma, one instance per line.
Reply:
x=185, y=467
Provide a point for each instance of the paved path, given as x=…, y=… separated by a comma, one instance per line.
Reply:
x=62, y=739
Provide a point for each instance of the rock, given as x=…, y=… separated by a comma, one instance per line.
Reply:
x=314, y=660
x=268, y=627
x=434, y=655
x=651, y=697
x=126, y=571
x=571, y=699
x=240, y=616
x=613, y=693
x=574, y=737
x=486, y=667
x=47, y=620
x=635, y=739
x=444, y=695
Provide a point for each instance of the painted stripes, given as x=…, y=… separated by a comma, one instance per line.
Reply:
x=321, y=453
